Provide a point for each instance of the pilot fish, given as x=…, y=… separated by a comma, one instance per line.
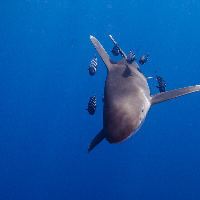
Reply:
x=92, y=105
x=93, y=66
x=161, y=83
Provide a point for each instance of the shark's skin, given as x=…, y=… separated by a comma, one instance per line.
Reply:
x=127, y=98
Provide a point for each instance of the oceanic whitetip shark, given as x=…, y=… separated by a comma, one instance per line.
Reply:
x=127, y=98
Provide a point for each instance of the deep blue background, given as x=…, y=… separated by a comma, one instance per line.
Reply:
x=45, y=87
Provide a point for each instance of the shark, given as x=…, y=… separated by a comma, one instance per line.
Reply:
x=127, y=98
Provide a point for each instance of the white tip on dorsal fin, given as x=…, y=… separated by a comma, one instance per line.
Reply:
x=164, y=96
x=101, y=51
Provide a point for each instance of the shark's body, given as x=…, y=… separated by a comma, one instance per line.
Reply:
x=127, y=98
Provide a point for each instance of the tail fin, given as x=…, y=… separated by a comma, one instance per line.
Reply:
x=98, y=138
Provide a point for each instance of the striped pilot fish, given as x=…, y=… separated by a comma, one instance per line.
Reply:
x=116, y=50
x=92, y=105
x=93, y=66
x=161, y=83
x=131, y=57
x=143, y=59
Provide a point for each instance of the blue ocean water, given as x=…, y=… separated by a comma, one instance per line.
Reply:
x=45, y=87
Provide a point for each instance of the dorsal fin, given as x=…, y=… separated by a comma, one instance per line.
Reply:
x=164, y=96
x=104, y=56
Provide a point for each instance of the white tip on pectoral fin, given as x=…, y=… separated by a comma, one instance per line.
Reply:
x=164, y=96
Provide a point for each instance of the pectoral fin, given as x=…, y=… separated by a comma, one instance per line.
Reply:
x=164, y=96
x=104, y=56
x=98, y=138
